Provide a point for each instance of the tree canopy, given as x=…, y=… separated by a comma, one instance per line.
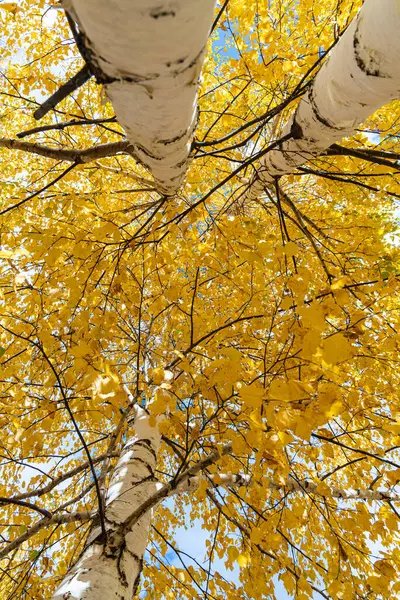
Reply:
x=277, y=315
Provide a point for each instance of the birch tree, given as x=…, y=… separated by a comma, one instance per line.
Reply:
x=361, y=74
x=194, y=338
x=149, y=56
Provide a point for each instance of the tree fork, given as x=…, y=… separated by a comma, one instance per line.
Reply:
x=110, y=571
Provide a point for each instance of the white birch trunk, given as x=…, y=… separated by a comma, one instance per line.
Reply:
x=113, y=572
x=361, y=75
x=152, y=52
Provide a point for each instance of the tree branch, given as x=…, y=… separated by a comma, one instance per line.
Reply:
x=21, y=202
x=77, y=156
x=64, y=124
x=192, y=483
x=38, y=509
x=65, y=90
x=50, y=486
x=59, y=519
x=312, y=488
x=378, y=157
x=246, y=533
x=217, y=18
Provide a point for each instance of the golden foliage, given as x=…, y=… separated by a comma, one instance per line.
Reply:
x=281, y=324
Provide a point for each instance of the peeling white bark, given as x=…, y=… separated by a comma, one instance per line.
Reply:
x=191, y=484
x=361, y=75
x=152, y=52
x=105, y=573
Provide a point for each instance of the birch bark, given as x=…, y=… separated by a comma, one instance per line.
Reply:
x=361, y=75
x=151, y=53
x=113, y=571
x=191, y=484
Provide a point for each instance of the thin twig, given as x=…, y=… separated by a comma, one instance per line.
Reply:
x=21, y=202
x=55, y=482
x=217, y=18
x=75, y=424
x=65, y=124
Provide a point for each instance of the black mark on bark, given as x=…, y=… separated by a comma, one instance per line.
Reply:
x=296, y=131
x=371, y=68
x=160, y=12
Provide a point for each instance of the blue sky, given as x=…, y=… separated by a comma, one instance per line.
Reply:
x=192, y=540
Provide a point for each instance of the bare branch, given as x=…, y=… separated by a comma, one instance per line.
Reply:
x=379, y=157
x=312, y=488
x=55, y=482
x=38, y=509
x=21, y=202
x=64, y=124
x=71, y=155
x=80, y=78
x=192, y=483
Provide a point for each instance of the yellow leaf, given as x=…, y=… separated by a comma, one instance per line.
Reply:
x=185, y=366
x=323, y=489
x=339, y=283
x=287, y=390
x=310, y=343
x=384, y=567
x=303, y=429
x=325, y=432
x=256, y=419
x=243, y=560
x=160, y=375
x=232, y=553
x=160, y=403
x=287, y=302
x=291, y=249
x=337, y=349
x=376, y=583
x=19, y=433
x=283, y=419
x=286, y=438
x=80, y=350
x=252, y=396
x=313, y=317
x=335, y=588
x=393, y=476
x=106, y=386
x=335, y=409
x=11, y=7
